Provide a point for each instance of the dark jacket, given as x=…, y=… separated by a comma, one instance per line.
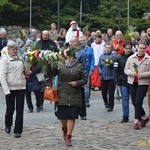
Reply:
x=119, y=64
x=32, y=82
x=69, y=95
x=48, y=45
x=106, y=72
x=3, y=43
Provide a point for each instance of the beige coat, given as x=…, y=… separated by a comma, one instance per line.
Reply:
x=143, y=68
x=12, y=74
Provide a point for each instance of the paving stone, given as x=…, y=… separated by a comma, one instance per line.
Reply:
x=101, y=131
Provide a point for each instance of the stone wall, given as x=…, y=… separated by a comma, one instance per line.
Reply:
x=13, y=31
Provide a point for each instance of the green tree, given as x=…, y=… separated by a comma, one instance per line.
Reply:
x=102, y=14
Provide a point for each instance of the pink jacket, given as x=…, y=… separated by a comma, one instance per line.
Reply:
x=143, y=68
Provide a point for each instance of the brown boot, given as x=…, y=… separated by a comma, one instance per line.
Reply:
x=68, y=140
x=64, y=133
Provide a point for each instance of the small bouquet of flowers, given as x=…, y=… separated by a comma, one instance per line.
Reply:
x=108, y=61
x=117, y=94
x=135, y=66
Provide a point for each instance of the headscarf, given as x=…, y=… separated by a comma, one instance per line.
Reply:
x=70, y=33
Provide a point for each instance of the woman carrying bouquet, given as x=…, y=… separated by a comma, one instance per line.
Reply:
x=106, y=71
x=138, y=71
x=71, y=78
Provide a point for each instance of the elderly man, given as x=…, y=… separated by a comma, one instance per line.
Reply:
x=47, y=44
x=118, y=42
x=92, y=38
x=89, y=51
x=73, y=31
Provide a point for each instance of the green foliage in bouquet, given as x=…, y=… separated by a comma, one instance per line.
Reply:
x=71, y=52
x=135, y=66
x=130, y=32
x=21, y=35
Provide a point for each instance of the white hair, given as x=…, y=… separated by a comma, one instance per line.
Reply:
x=2, y=31
x=12, y=44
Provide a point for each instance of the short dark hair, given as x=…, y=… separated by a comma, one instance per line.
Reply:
x=108, y=43
x=127, y=43
x=98, y=35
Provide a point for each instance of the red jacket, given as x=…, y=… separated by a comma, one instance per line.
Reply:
x=115, y=43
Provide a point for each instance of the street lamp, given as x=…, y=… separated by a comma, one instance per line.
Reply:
x=119, y=14
x=58, y=15
x=80, y=12
x=30, y=13
x=128, y=14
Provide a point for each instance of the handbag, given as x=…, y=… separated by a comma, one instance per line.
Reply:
x=51, y=94
x=40, y=77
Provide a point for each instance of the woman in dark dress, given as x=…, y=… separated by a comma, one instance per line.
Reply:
x=71, y=78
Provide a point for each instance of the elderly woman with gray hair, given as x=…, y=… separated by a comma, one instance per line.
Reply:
x=3, y=39
x=13, y=81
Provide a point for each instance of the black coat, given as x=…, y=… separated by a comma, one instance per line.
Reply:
x=48, y=45
x=120, y=77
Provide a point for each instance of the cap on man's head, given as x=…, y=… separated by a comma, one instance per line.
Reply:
x=32, y=35
x=73, y=22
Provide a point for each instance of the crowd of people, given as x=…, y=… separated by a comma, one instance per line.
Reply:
x=105, y=62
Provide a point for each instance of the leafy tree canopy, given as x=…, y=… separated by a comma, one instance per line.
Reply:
x=102, y=14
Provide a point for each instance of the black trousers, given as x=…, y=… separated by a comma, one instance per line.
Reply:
x=83, y=109
x=41, y=98
x=37, y=97
x=15, y=99
x=138, y=92
x=108, y=87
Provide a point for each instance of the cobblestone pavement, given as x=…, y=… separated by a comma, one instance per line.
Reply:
x=101, y=131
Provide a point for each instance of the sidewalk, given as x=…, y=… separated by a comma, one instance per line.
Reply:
x=101, y=131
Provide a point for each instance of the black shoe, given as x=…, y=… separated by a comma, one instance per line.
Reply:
x=106, y=105
x=87, y=105
x=30, y=111
x=8, y=129
x=83, y=118
x=109, y=109
x=38, y=109
x=93, y=88
x=41, y=107
x=17, y=135
x=125, y=120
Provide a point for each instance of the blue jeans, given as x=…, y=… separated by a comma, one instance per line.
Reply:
x=125, y=91
x=87, y=90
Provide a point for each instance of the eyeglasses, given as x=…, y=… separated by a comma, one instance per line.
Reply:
x=128, y=48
